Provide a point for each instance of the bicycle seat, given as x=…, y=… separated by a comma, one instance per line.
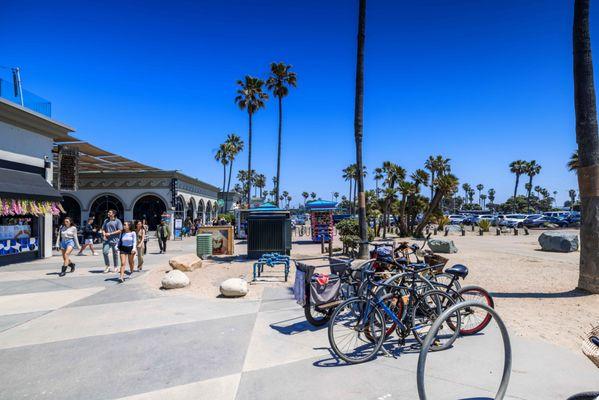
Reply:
x=458, y=270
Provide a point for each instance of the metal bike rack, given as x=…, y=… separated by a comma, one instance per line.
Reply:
x=507, y=361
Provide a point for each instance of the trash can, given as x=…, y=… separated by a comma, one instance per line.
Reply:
x=203, y=244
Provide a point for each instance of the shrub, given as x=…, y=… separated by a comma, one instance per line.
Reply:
x=442, y=222
x=484, y=224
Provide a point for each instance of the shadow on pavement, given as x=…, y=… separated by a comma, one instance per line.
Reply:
x=533, y=295
x=295, y=328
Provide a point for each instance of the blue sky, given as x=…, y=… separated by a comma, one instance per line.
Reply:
x=481, y=82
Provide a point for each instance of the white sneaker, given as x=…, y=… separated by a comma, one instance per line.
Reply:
x=106, y=270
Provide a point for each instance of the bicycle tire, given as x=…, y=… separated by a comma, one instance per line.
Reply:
x=432, y=315
x=488, y=300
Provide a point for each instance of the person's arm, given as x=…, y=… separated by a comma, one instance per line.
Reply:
x=58, y=239
x=76, y=238
x=134, y=242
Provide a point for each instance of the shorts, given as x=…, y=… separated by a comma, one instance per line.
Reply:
x=125, y=249
x=65, y=244
x=89, y=241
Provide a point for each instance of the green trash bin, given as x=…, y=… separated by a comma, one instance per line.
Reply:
x=203, y=244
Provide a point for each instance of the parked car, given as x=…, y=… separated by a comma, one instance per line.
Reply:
x=557, y=214
x=456, y=219
x=513, y=220
x=470, y=219
x=487, y=217
x=573, y=218
x=545, y=219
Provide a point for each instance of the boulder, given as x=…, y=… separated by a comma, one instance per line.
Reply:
x=442, y=246
x=234, y=287
x=175, y=279
x=185, y=262
x=560, y=241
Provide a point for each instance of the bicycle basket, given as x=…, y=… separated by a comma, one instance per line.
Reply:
x=435, y=259
x=324, y=291
x=590, y=349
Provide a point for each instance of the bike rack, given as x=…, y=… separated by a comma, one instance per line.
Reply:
x=507, y=360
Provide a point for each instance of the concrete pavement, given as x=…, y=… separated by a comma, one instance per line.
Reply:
x=86, y=337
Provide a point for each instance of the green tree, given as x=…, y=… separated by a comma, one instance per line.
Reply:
x=445, y=184
x=313, y=196
x=251, y=98
x=260, y=182
x=467, y=189
x=305, y=195
x=222, y=156
x=234, y=147
x=573, y=162
x=378, y=175
x=572, y=195
x=280, y=80
x=532, y=169
x=480, y=188
x=491, y=193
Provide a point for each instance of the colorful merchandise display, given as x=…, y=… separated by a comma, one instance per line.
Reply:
x=321, y=219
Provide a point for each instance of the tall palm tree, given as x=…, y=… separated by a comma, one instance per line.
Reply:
x=471, y=194
x=235, y=146
x=348, y=175
x=336, y=195
x=480, y=188
x=517, y=167
x=260, y=182
x=466, y=188
x=532, y=169
x=222, y=156
x=280, y=80
x=305, y=195
x=378, y=175
x=313, y=196
x=483, y=197
x=573, y=162
x=430, y=165
x=572, y=195
x=250, y=97
x=491, y=193
x=588, y=149
x=288, y=200
x=445, y=184
x=358, y=129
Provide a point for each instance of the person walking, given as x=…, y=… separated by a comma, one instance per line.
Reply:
x=147, y=229
x=111, y=230
x=88, y=237
x=67, y=240
x=141, y=232
x=162, y=233
x=127, y=248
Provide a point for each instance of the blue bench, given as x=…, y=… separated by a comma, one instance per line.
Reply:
x=271, y=260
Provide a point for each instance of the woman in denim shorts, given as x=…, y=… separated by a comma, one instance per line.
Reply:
x=67, y=240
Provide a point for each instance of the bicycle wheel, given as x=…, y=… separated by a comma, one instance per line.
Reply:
x=445, y=279
x=476, y=319
x=426, y=310
x=316, y=317
x=347, y=329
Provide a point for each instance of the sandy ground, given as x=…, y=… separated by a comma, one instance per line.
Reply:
x=534, y=291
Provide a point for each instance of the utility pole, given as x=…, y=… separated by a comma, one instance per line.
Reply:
x=16, y=79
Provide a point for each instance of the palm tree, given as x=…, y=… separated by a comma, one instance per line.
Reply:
x=284, y=195
x=573, y=163
x=480, y=188
x=483, y=197
x=572, y=195
x=532, y=169
x=313, y=196
x=222, y=156
x=471, y=194
x=358, y=130
x=445, y=184
x=260, y=182
x=280, y=80
x=288, y=200
x=250, y=97
x=517, y=167
x=235, y=146
x=378, y=175
x=430, y=165
x=466, y=188
x=348, y=175
x=305, y=195
x=336, y=195
x=491, y=193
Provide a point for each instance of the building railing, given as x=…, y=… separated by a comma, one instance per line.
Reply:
x=30, y=100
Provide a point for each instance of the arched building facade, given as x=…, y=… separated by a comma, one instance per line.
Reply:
x=146, y=195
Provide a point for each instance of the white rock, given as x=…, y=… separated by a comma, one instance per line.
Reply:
x=234, y=287
x=174, y=279
x=185, y=262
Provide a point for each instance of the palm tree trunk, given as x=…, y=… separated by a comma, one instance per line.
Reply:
x=228, y=185
x=249, y=176
x=529, y=191
x=279, y=148
x=432, y=185
x=434, y=204
x=588, y=148
x=224, y=175
x=403, y=224
x=351, y=207
x=516, y=190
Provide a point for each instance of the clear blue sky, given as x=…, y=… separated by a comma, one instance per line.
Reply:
x=481, y=82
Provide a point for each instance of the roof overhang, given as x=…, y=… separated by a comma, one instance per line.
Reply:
x=24, y=118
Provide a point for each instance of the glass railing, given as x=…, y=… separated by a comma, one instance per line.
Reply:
x=30, y=100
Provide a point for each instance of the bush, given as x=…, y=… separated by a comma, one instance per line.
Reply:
x=442, y=222
x=349, y=233
x=484, y=224
x=230, y=218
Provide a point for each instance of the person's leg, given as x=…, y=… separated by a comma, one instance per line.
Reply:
x=115, y=256
x=122, y=270
x=131, y=263
x=81, y=249
x=105, y=250
x=63, y=269
x=164, y=244
x=67, y=253
x=145, y=247
x=140, y=258
x=160, y=246
x=91, y=247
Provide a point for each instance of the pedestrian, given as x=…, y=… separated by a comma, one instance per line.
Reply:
x=141, y=232
x=162, y=233
x=111, y=231
x=147, y=229
x=67, y=240
x=127, y=248
x=88, y=237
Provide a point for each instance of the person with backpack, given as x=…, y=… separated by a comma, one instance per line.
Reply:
x=162, y=233
x=111, y=232
x=88, y=237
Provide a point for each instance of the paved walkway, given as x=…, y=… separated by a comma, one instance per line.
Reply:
x=85, y=336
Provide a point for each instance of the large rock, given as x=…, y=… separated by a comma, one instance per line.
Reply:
x=564, y=242
x=234, y=287
x=442, y=246
x=185, y=262
x=175, y=279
